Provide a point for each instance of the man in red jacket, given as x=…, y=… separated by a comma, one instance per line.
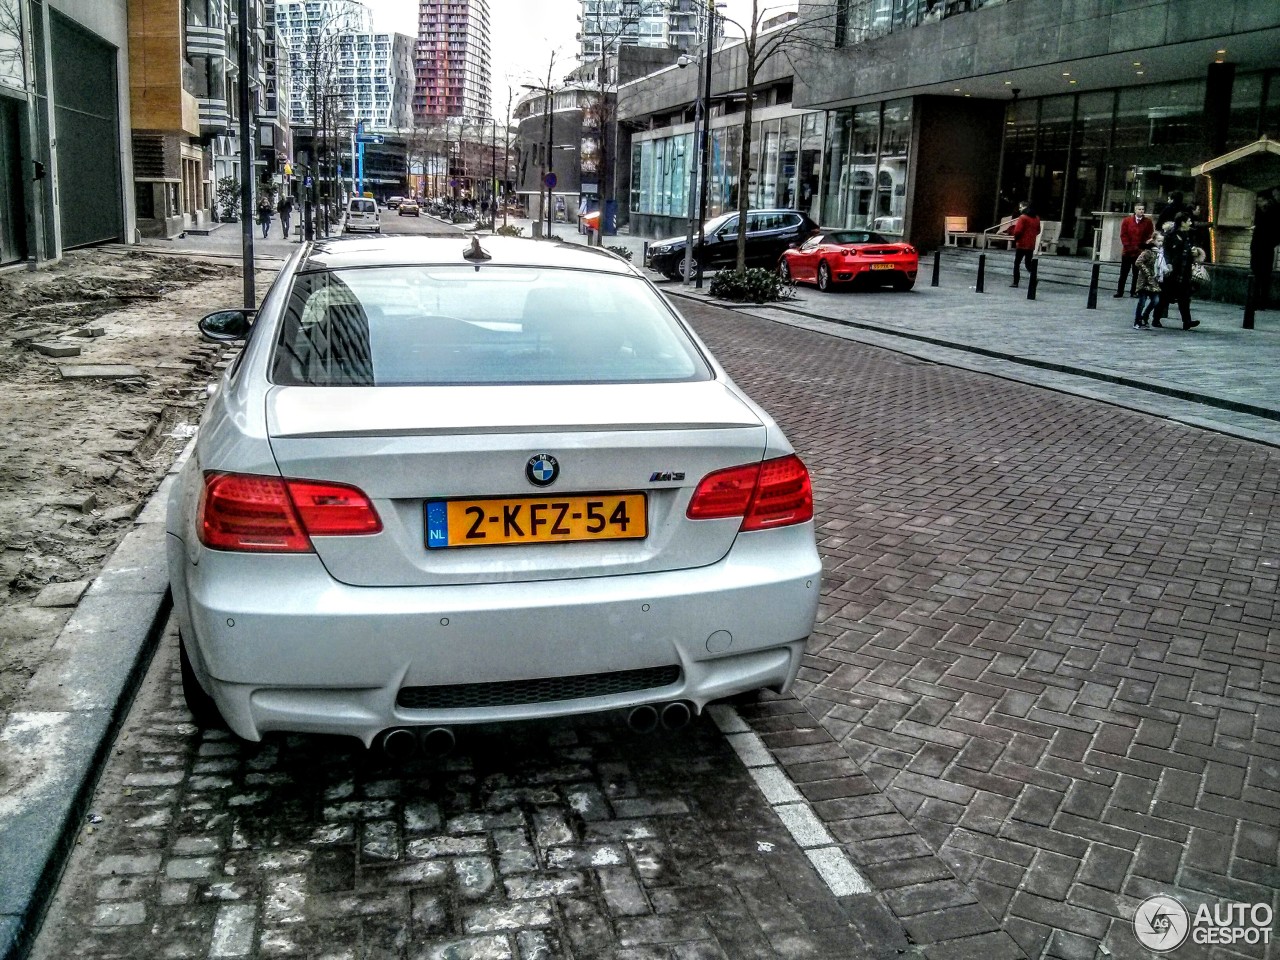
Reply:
x=1026, y=233
x=1135, y=231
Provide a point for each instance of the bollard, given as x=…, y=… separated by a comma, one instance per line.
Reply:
x=1093, y=287
x=1250, y=283
x=1032, y=273
x=982, y=273
x=644, y=253
x=937, y=263
x=697, y=282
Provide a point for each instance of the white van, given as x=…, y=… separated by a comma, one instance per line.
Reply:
x=362, y=214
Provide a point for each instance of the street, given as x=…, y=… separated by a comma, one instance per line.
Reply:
x=1042, y=687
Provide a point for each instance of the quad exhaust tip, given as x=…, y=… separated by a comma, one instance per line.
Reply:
x=669, y=716
x=401, y=743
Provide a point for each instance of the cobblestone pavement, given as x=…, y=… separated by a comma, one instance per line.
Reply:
x=556, y=840
x=1044, y=685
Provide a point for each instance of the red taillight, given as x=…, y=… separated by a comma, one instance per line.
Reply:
x=271, y=515
x=775, y=493
x=333, y=509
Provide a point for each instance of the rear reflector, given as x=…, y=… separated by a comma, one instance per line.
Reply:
x=262, y=514
x=775, y=493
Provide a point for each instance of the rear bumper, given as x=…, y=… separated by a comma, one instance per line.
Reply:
x=280, y=645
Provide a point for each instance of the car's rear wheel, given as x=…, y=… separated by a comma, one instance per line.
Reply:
x=203, y=710
x=903, y=283
x=824, y=276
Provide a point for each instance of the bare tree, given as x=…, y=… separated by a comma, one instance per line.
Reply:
x=809, y=30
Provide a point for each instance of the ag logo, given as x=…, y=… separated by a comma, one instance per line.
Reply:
x=542, y=470
x=1161, y=923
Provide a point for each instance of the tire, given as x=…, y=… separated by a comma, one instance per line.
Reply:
x=784, y=271
x=203, y=710
x=824, y=277
x=903, y=284
x=693, y=267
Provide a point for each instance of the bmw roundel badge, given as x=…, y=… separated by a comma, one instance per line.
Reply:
x=542, y=470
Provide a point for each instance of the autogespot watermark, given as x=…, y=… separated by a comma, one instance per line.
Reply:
x=1162, y=923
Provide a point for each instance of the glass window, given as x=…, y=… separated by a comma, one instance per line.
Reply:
x=408, y=326
x=12, y=70
x=891, y=179
x=1271, y=109
x=767, y=194
x=788, y=163
x=1246, y=110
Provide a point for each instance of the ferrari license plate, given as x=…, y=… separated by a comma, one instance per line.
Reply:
x=882, y=266
x=507, y=520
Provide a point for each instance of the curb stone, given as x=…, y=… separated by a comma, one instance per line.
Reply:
x=56, y=741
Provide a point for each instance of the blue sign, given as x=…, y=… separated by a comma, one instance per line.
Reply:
x=550, y=181
x=309, y=182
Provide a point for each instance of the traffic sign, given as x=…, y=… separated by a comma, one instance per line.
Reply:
x=371, y=138
x=550, y=181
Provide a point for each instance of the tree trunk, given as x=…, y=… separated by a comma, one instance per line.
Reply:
x=744, y=164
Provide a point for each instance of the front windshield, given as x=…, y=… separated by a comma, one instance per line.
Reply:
x=432, y=325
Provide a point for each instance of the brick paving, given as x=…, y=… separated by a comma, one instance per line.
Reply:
x=1049, y=638
x=1044, y=685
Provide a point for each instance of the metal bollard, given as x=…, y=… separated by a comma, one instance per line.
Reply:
x=697, y=282
x=1093, y=287
x=982, y=274
x=937, y=263
x=1032, y=274
x=1250, y=284
x=644, y=254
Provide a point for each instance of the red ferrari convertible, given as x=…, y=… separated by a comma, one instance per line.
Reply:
x=851, y=256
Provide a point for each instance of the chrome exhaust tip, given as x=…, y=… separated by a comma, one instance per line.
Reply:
x=676, y=715
x=438, y=741
x=643, y=719
x=399, y=744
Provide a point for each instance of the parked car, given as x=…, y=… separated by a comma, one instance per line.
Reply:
x=445, y=485
x=851, y=256
x=394, y=202
x=407, y=208
x=769, y=232
x=362, y=214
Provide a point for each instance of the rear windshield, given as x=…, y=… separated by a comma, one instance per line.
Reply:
x=420, y=326
x=363, y=206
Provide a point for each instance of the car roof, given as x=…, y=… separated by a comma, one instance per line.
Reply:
x=382, y=251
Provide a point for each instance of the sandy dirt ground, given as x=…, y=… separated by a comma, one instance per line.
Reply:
x=80, y=457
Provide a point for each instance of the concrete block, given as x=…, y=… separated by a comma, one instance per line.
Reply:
x=90, y=331
x=99, y=371
x=91, y=665
x=61, y=594
x=137, y=566
x=154, y=512
x=125, y=511
x=104, y=471
x=55, y=349
x=84, y=502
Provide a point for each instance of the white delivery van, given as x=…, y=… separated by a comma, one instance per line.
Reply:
x=362, y=214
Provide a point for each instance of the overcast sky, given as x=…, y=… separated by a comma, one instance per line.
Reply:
x=525, y=32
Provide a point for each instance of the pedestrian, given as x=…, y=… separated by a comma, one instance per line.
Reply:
x=1147, y=268
x=1135, y=231
x=1168, y=213
x=1181, y=253
x=265, y=209
x=1262, y=245
x=1026, y=234
x=285, y=209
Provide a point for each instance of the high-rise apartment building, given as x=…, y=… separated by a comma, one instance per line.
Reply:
x=607, y=25
x=453, y=63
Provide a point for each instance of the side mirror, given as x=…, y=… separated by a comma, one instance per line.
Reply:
x=227, y=326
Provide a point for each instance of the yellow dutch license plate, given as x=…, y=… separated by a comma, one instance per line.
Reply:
x=882, y=266
x=507, y=520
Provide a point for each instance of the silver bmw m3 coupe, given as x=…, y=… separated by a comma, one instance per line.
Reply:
x=449, y=482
